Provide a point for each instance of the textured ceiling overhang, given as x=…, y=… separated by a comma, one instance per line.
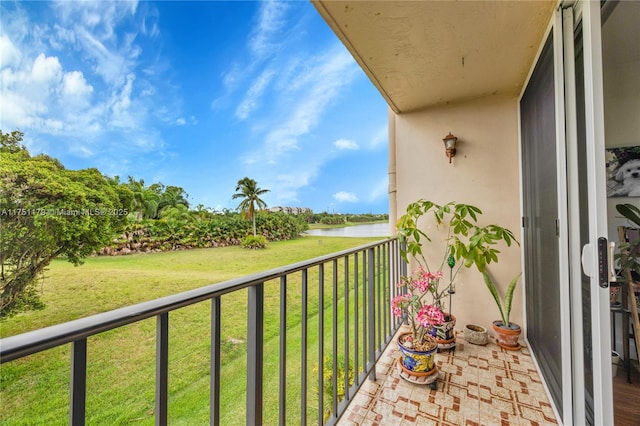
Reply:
x=425, y=53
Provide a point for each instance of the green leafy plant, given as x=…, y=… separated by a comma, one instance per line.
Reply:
x=627, y=256
x=327, y=373
x=254, y=242
x=465, y=239
x=466, y=242
x=504, y=306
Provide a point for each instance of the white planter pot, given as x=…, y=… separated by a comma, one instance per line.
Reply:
x=615, y=361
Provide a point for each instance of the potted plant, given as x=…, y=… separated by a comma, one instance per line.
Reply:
x=465, y=243
x=417, y=346
x=628, y=258
x=507, y=332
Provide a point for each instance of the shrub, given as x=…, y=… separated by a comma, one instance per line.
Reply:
x=328, y=380
x=254, y=242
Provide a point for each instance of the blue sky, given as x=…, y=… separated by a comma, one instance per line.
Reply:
x=198, y=95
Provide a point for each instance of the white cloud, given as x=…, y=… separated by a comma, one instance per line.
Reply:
x=287, y=185
x=21, y=113
x=346, y=144
x=46, y=70
x=149, y=26
x=271, y=20
x=304, y=87
x=9, y=54
x=100, y=17
x=264, y=41
x=345, y=197
x=41, y=96
x=75, y=79
x=74, y=85
x=328, y=73
x=121, y=102
x=54, y=126
x=89, y=27
x=251, y=100
x=232, y=76
x=109, y=64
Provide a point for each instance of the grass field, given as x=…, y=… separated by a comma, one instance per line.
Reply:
x=121, y=371
x=341, y=225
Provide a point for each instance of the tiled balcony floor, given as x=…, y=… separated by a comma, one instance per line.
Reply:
x=477, y=385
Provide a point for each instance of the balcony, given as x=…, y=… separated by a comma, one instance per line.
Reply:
x=315, y=347
x=477, y=385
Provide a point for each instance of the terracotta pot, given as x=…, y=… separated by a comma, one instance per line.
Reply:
x=476, y=334
x=507, y=338
x=420, y=363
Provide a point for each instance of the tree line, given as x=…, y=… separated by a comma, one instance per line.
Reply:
x=47, y=211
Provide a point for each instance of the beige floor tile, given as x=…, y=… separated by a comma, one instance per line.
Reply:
x=477, y=385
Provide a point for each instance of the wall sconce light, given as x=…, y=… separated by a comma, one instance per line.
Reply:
x=450, y=145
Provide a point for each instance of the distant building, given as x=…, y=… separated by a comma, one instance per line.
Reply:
x=291, y=210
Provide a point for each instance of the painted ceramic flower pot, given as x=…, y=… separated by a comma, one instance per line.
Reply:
x=416, y=362
x=507, y=338
x=445, y=334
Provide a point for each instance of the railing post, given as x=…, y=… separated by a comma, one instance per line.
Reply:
x=334, y=349
x=255, y=348
x=356, y=325
x=346, y=328
x=371, y=307
x=78, y=384
x=282, y=418
x=162, y=368
x=214, y=403
x=321, y=343
x=303, y=372
x=379, y=293
x=387, y=290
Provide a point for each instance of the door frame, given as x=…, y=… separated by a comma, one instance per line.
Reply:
x=562, y=26
x=554, y=29
x=589, y=13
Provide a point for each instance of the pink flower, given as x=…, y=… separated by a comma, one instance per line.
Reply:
x=429, y=316
x=421, y=317
x=400, y=303
x=437, y=275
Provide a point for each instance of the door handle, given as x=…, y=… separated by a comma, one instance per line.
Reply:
x=587, y=255
x=603, y=262
x=612, y=268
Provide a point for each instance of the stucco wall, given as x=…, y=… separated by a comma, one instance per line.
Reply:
x=485, y=173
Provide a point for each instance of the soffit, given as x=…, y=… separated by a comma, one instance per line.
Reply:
x=424, y=53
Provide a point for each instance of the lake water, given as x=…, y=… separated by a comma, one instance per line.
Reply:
x=367, y=230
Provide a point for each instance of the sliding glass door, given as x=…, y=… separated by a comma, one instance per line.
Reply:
x=565, y=217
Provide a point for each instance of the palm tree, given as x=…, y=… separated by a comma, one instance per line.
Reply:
x=173, y=196
x=145, y=199
x=248, y=190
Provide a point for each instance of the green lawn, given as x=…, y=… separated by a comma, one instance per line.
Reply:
x=35, y=390
x=342, y=225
